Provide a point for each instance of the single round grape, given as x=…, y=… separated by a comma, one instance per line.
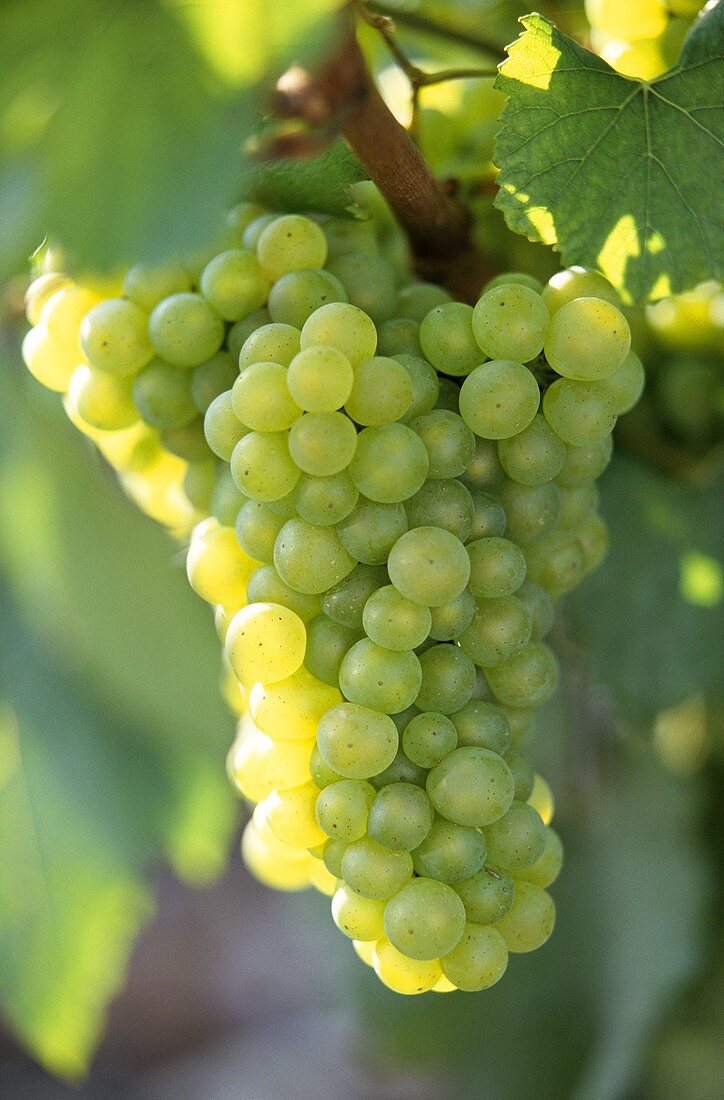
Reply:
x=531, y=510
x=261, y=465
x=417, y=299
x=332, y=854
x=530, y=920
x=242, y=215
x=527, y=679
x=449, y=443
x=514, y=278
x=539, y=606
x=239, y=333
x=547, y=867
x=499, y=628
x=373, y=871
x=291, y=243
x=478, y=961
x=517, y=839
x=327, y=643
x=402, y=974
x=265, y=642
x=147, y=284
x=580, y=413
x=274, y=343
x=358, y=917
x=162, y=395
x=254, y=229
x=52, y=366
x=212, y=378
x=216, y=567
x=425, y=383
x=326, y=500
x=369, y=282
x=357, y=742
x=401, y=770
x=556, y=562
x=234, y=284
x=275, y=864
x=295, y=297
x=429, y=737
x=102, y=400
x=310, y=559
x=199, y=483
x=114, y=336
x=471, y=786
x=487, y=895
x=588, y=339
x=627, y=383
x=62, y=317
x=342, y=808
x=442, y=503
x=429, y=566
x=266, y=586
x=261, y=400
x=344, y=327
x=534, y=455
x=291, y=709
x=585, y=463
x=381, y=392
x=483, y=725
x=290, y=816
x=371, y=530
x=393, y=621
x=489, y=519
x=510, y=322
x=592, y=535
x=497, y=567
x=499, y=399
x=450, y=619
x=188, y=441
x=450, y=852
x=577, y=282
x=399, y=336
x=256, y=530
x=185, y=330
x=345, y=602
x=40, y=291
x=389, y=464
x=226, y=500
x=323, y=443
x=484, y=470
x=446, y=337
x=425, y=920
x=381, y=678
x=448, y=679
x=400, y=816
x=320, y=379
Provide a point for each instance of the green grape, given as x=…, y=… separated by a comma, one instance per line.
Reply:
x=517, y=839
x=323, y=443
x=471, y=786
x=577, y=282
x=344, y=236
x=199, y=483
x=344, y=327
x=239, y=333
x=429, y=566
x=274, y=343
x=285, y=506
x=371, y=530
x=384, y=679
x=627, y=383
x=416, y=300
x=310, y=559
x=320, y=379
x=212, y=378
x=449, y=620
x=222, y=427
x=400, y=816
x=499, y=399
x=162, y=395
x=585, y=463
x=327, y=643
x=446, y=337
x=482, y=725
x=556, y=562
x=530, y=920
x=188, y=441
x=332, y=855
x=402, y=974
x=579, y=412
x=358, y=917
x=450, y=852
x=234, y=284
x=254, y=229
x=401, y=770
x=645, y=19
x=146, y=284
x=370, y=283
x=342, y=808
x=242, y=215
x=527, y=679
x=497, y=567
x=547, y=867
x=425, y=384
x=357, y=742
x=478, y=961
x=499, y=628
x=489, y=519
x=449, y=443
x=381, y=392
x=103, y=400
x=592, y=536
x=487, y=895
x=448, y=679
x=514, y=278
x=373, y=871
x=266, y=586
x=429, y=737
x=261, y=400
x=510, y=322
x=256, y=530
x=577, y=503
x=484, y=470
x=185, y=330
x=295, y=297
x=442, y=503
x=588, y=339
x=522, y=724
x=261, y=465
x=345, y=602
x=539, y=606
x=448, y=395
x=114, y=336
x=226, y=499
x=390, y=463
x=531, y=510
x=326, y=500
x=291, y=243
x=399, y=337
x=534, y=455
x=523, y=772
x=393, y=621
x=425, y=920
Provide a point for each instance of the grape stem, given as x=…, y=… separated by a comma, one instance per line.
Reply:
x=425, y=25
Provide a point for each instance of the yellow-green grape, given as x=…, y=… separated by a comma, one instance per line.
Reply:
x=345, y=602
x=444, y=503
x=487, y=895
x=390, y=463
x=364, y=950
x=52, y=366
x=580, y=412
x=416, y=300
x=577, y=503
x=291, y=817
x=332, y=853
x=147, y=284
x=627, y=383
x=261, y=465
x=188, y=441
x=514, y=278
x=448, y=679
x=592, y=536
x=478, y=961
x=425, y=920
x=497, y=567
x=541, y=799
x=522, y=723
x=374, y=871
x=482, y=724
x=326, y=500
x=526, y=680
x=342, y=809
x=327, y=643
x=556, y=562
x=102, y=400
x=274, y=343
x=320, y=379
x=400, y=817
x=401, y=770
x=517, y=839
x=425, y=384
x=587, y=340
x=162, y=394
x=510, y=322
x=296, y=296
x=443, y=985
x=498, y=629
x=322, y=879
x=489, y=518
x=356, y=916
x=275, y=864
x=261, y=399
x=266, y=586
x=222, y=427
x=523, y=772
x=199, y=483
x=450, y=619
x=40, y=291
x=446, y=337
x=369, y=282
x=643, y=59
x=471, y=786
x=534, y=455
x=398, y=337
x=429, y=737
x=622, y=19
x=370, y=531
x=242, y=215
x=530, y=920
x=577, y=282
x=321, y=443
x=291, y=709
x=585, y=463
x=265, y=642
x=62, y=317
x=256, y=530
x=260, y=765
x=393, y=621
x=291, y=243
x=185, y=330
x=216, y=566
x=239, y=333
x=449, y=443
x=234, y=284
x=401, y=973
x=429, y=566
x=309, y=558
x=357, y=742
x=383, y=679
x=212, y=378
x=450, y=852
x=547, y=867
x=344, y=327
x=499, y=399
x=381, y=391
x=484, y=470
x=344, y=236
x=254, y=229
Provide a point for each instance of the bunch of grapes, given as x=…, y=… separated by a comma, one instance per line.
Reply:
x=390, y=491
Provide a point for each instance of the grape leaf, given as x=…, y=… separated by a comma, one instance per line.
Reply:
x=616, y=174
x=319, y=184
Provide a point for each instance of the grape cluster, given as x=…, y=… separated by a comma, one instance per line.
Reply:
x=396, y=489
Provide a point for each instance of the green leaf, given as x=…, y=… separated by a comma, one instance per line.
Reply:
x=321, y=184
x=616, y=174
